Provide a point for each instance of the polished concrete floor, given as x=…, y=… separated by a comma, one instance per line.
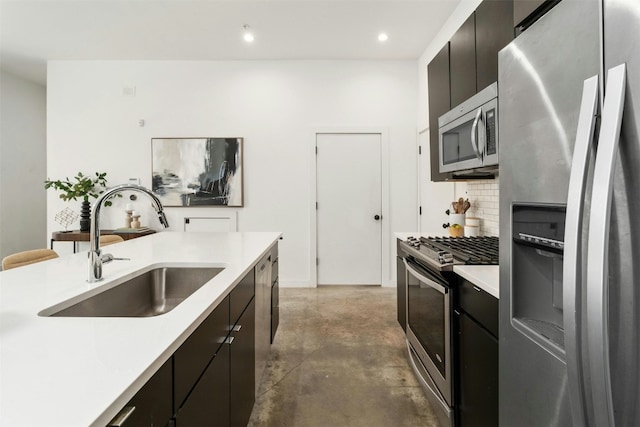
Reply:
x=339, y=359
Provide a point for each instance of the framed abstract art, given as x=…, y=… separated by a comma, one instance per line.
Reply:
x=197, y=171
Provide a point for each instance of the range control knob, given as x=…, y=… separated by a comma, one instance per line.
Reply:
x=413, y=242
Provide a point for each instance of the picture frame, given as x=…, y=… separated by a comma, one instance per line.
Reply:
x=198, y=172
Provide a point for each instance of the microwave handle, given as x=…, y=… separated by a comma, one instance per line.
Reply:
x=474, y=134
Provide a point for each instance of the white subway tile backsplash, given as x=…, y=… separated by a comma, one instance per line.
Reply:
x=484, y=196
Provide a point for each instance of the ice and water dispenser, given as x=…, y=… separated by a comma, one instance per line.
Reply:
x=536, y=280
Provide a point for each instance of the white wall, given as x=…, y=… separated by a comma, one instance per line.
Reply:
x=22, y=164
x=274, y=105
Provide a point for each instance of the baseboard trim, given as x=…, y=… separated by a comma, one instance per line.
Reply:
x=294, y=284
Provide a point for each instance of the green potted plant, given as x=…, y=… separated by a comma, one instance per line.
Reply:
x=81, y=187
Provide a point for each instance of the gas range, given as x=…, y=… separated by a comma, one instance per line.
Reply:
x=442, y=253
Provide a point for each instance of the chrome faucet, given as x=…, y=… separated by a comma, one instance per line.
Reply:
x=96, y=259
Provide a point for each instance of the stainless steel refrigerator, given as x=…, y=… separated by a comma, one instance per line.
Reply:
x=569, y=105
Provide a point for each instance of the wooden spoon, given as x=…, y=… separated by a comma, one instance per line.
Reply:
x=466, y=206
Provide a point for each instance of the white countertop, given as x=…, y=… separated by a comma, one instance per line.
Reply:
x=486, y=277
x=65, y=371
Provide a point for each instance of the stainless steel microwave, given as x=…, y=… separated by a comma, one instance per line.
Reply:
x=469, y=134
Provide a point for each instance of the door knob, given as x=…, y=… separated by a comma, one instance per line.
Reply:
x=377, y=217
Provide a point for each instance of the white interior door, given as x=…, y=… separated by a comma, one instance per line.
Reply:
x=349, y=210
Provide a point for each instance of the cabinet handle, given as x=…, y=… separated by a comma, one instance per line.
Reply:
x=236, y=328
x=229, y=340
x=121, y=418
x=477, y=289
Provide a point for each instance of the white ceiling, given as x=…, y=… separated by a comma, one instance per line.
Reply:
x=34, y=31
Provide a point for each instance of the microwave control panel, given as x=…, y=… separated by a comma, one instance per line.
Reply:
x=491, y=131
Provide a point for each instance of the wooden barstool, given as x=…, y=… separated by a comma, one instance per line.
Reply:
x=27, y=257
x=109, y=239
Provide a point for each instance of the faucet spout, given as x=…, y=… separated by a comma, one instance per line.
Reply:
x=95, y=256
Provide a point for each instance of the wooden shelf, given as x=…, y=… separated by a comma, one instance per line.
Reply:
x=76, y=236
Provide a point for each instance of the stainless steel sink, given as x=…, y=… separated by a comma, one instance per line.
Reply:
x=151, y=293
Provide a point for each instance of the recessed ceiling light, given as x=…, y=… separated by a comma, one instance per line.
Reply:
x=248, y=35
x=383, y=37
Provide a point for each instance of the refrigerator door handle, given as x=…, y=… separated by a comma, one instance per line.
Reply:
x=474, y=134
x=598, y=249
x=572, y=270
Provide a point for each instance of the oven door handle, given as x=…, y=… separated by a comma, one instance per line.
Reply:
x=432, y=283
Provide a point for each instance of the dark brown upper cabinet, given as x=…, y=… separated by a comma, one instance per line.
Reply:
x=523, y=8
x=475, y=46
x=439, y=103
x=463, y=62
x=526, y=12
x=494, y=30
x=467, y=64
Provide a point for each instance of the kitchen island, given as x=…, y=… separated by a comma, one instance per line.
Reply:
x=80, y=371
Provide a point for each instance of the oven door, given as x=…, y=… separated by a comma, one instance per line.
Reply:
x=429, y=325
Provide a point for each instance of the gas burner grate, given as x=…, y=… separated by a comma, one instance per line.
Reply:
x=469, y=250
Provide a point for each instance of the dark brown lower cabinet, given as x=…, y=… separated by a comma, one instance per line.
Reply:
x=210, y=379
x=152, y=405
x=242, y=368
x=477, y=374
x=275, y=309
x=208, y=403
x=225, y=393
x=214, y=369
x=275, y=293
x=401, y=289
x=193, y=356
